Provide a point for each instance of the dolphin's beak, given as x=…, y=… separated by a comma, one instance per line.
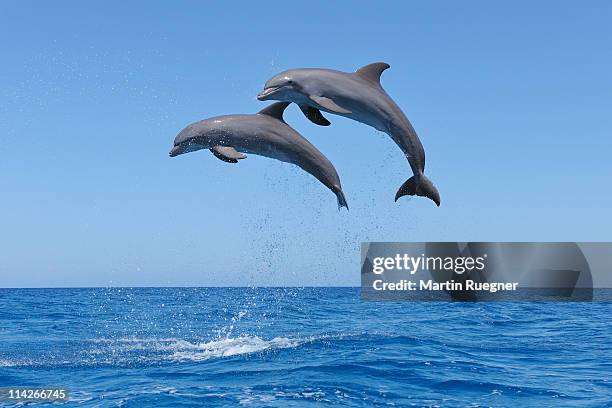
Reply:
x=176, y=150
x=266, y=93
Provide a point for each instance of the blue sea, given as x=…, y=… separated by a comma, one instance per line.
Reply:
x=300, y=347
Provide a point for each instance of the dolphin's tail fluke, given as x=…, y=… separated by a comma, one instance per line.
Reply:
x=341, y=200
x=424, y=188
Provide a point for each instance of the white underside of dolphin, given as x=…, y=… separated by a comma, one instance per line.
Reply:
x=361, y=97
x=265, y=134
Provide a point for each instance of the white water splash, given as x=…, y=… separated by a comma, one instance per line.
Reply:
x=176, y=349
x=228, y=347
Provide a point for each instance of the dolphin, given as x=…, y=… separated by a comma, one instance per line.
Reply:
x=361, y=97
x=265, y=134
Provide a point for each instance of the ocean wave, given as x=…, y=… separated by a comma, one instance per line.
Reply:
x=180, y=350
x=127, y=351
x=134, y=350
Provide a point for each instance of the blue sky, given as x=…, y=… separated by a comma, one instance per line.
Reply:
x=511, y=101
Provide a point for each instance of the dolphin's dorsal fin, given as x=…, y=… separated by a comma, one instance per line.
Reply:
x=227, y=154
x=275, y=110
x=373, y=71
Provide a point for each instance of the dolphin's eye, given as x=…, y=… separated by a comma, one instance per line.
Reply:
x=290, y=81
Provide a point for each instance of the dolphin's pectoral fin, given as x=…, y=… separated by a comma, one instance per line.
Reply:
x=328, y=104
x=227, y=154
x=373, y=71
x=314, y=115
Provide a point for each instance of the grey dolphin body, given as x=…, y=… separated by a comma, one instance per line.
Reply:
x=264, y=134
x=358, y=96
